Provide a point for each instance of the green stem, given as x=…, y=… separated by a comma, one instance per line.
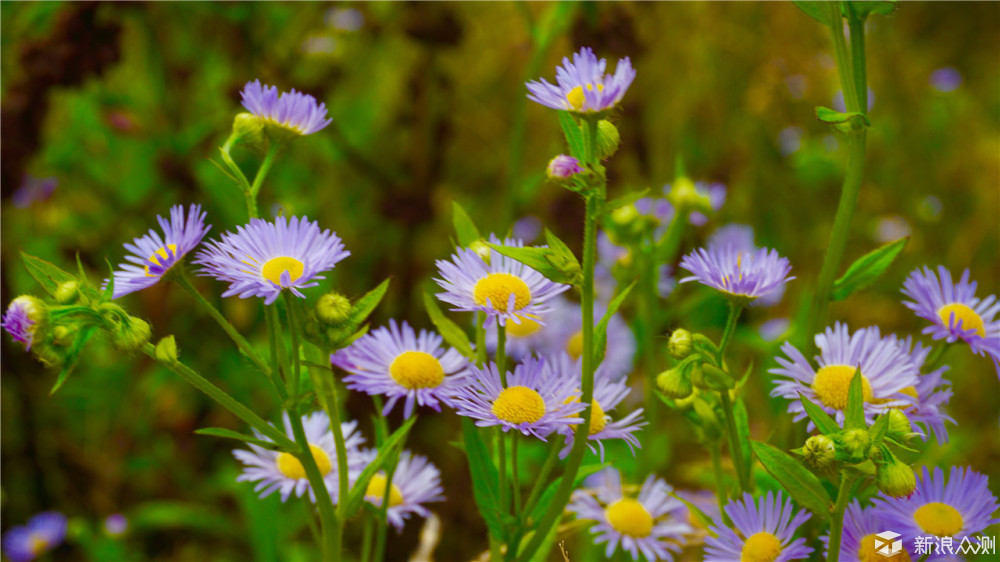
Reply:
x=185, y=282
x=727, y=333
x=515, y=480
x=543, y=475
x=265, y=167
x=502, y=353
x=224, y=399
x=647, y=314
x=936, y=357
x=293, y=328
x=502, y=466
x=735, y=448
x=669, y=244
x=859, y=66
x=383, y=520
x=327, y=514
x=274, y=341
x=837, y=521
x=241, y=179
x=844, y=67
x=366, y=537
x=720, y=485
x=480, y=339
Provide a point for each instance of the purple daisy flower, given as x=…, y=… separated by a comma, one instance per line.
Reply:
x=857, y=540
x=954, y=310
x=151, y=255
x=563, y=166
x=582, y=86
x=42, y=533
x=294, y=111
x=399, y=363
x=741, y=237
x=886, y=370
x=503, y=287
x=652, y=523
x=765, y=531
x=415, y=482
x=283, y=472
x=532, y=402
x=263, y=257
x=744, y=275
x=960, y=508
x=929, y=396
x=22, y=318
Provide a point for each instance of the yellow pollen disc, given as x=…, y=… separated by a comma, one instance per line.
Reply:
x=761, y=547
x=831, y=384
x=576, y=98
x=968, y=317
x=375, y=492
x=37, y=545
x=519, y=404
x=597, y=417
x=629, y=517
x=526, y=328
x=292, y=468
x=939, y=519
x=416, y=369
x=866, y=552
x=575, y=345
x=275, y=267
x=495, y=290
x=163, y=254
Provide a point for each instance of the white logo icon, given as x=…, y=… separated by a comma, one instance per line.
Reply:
x=887, y=545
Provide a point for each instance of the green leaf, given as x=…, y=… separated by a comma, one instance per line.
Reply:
x=109, y=290
x=46, y=274
x=550, y=491
x=862, y=9
x=826, y=424
x=366, y=304
x=854, y=415
x=544, y=261
x=601, y=333
x=844, y=122
x=627, y=199
x=385, y=452
x=448, y=329
x=866, y=269
x=484, y=479
x=879, y=428
x=574, y=135
x=816, y=10
x=742, y=422
x=465, y=229
x=700, y=515
x=71, y=357
x=563, y=257
x=803, y=486
x=230, y=434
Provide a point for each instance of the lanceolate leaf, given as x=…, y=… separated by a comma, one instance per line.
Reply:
x=465, y=229
x=573, y=134
x=879, y=428
x=550, y=491
x=816, y=10
x=742, y=422
x=826, y=424
x=388, y=450
x=448, y=329
x=601, y=333
x=866, y=269
x=74, y=353
x=230, y=434
x=543, y=260
x=46, y=274
x=366, y=304
x=803, y=486
x=855, y=413
x=484, y=479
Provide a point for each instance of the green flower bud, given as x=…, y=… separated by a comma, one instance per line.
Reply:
x=698, y=378
x=854, y=444
x=624, y=215
x=67, y=292
x=480, y=247
x=899, y=424
x=333, y=308
x=895, y=479
x=679, y=344
x=674, y=383
x=249, y=129
x=819, y=452
x=132, y=334
x=63, y=336
x=608, y=139
x=166, y=350
x=685, y=197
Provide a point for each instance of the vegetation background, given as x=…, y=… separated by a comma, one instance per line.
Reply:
x=125, y=104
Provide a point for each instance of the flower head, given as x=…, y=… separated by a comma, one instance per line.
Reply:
x=582, y=86
x=42, y=533
x=886, y=371
x=283, y=472
x=263, y=258
x=399, y=363
x=652, y=523
x=22, y=319
x=532, y=402
x=742, y=275
x=959, y=508
x=764, y=531
x=503, y=288
x=563, y=166
x=294, y=111
x=954, y=311
x=415, y=482
x=151, y=255
x=741, y=237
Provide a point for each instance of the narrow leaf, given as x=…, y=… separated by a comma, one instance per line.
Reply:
x=550, y=491
x=803, y=485
x=544, y=261
x=854, y=416
x=879, y=428
x=742, y=422
x=574, y=135
x=866, y=269
x=815, y=10
x=386, y=451
x=71, y=357
x=366, y=304
x=449, y=330
x=624, y=200
x=230, y=434
x=464, y=227
x=601, y=333
x=484, y=479
x=560, y=249
x=826, y=424
x=46, y=274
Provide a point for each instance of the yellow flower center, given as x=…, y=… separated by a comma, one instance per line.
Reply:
x=526, y=328
x=519, y=404
x=939, y=519
x=908, y=391
x=575, y=345
x=275, y=267
x=597, y=417
x=968, y=317
x=37, y=544
x=416, y=369
x=163, y=254
x=761, y=547
x=576, y=97
x=867, y=553
x=375, y=492
x=629, y=517
x=292, y=468
x=831, y=384
x=496, y=288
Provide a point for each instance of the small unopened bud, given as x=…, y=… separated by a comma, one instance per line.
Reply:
x=333, y=308
x=563, y=167
x=679, y=344
x=63, y=336
x=899, y=424
x=67, y=292
x=854, y=444
x=249, y=129
x=624, y=215
x=685, y=197
x=674, y=383
x=608, y=139
x=480, y=248
x=698, y=377
x=895, y=479
x=819, y=452
x=132, y=334
x=166, y=350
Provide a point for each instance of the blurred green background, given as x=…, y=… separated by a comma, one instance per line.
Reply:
x=125, y=105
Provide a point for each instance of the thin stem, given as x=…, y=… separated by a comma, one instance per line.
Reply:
x=341, y=446
x=720, y=486
x=647, y=314
x=727, y=333
x=515, y=480
x=859, y=65
x=265, y=167
x=274, y=339
x=327, y=514
x=502, y=353
x=366, y=537
x=480, y=339
x=837, y=521
x=735, y=448
x=502, y=465
x=843, y=58
x=936, y=358
x=383, y=522
x=293, y=328
x=543, y=476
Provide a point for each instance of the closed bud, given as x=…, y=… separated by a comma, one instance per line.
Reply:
x=679, y=344
x=854, y=444
x=563, y=167
x=608, y=139
x=819, y=452
x=480, y=248
x=624, y=215
x=132, y=334
x=899, y=424
x=895, y=479
x=333, y=308
x=166, y=350
x=674, y=383
x=249, y=129
x=698, y=377
x=63, y=336
x=685, y=197
x=67, y=292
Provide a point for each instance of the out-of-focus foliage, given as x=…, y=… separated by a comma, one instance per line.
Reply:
x=125, y=105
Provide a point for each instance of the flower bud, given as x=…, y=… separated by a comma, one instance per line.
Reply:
x=608, y=139
x=819, y=452
x=484, y=251
x=698, y=377
x=63, y=336
x=248, y=128
x=854, y=444
x=895, y=479
x=333, y=308
x=24, y=318
x=563, y=167
x=67, y=292
x=899, y=424
x=685, y=197
x=674, y=383
x=166, y=351
x=132, y=334
x=624, y=215
x=679, y=344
